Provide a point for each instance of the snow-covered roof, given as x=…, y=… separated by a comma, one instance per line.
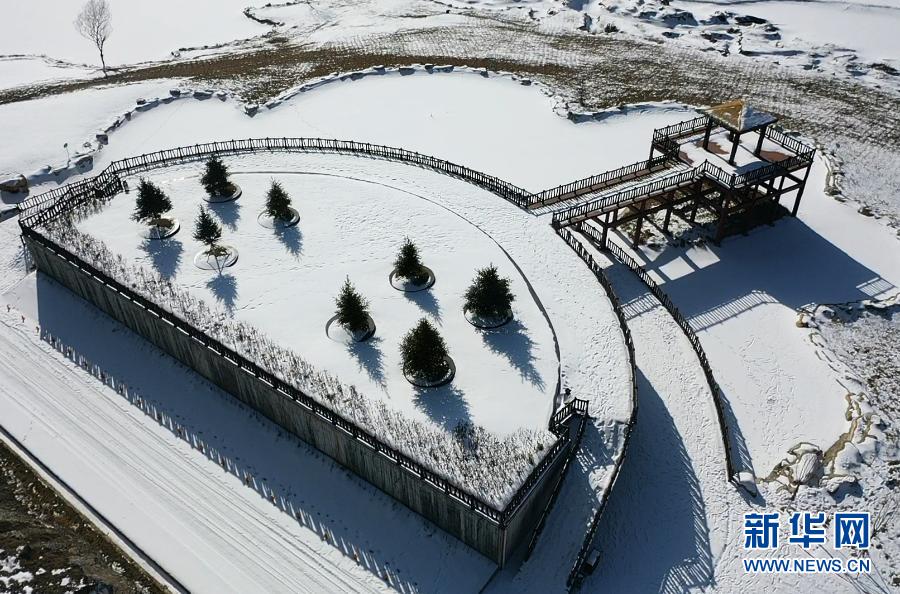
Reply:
x=739, y=117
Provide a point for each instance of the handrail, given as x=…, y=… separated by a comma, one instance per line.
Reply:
x=607, y=203
x=685, y=326
x=584, y=254
x=31, y=208
x=602, y=179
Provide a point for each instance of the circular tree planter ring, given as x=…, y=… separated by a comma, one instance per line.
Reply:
x=442, y=381
x=488, y=323
x=206, y=261
x=407, y=286
x=235, y=194
x=270, y=222
x=338, y=333
x=161, y=231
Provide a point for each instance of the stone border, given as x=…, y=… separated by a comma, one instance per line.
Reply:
x=153, y=231
x=485, y=324
x=448, y=377
x=218, y=199
x=230, y=259
x=369, y=333
x=268, y=222
x=408, y=287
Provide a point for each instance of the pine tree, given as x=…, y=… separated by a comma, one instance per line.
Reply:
x=489, y=296
x=424, y=352
x=151, y=203
x=352, y=309
x=278, y=203
x=215, y=178
x=206, y=230
x=408, y=265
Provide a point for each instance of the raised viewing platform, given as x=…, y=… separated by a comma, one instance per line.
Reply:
x=730, y=162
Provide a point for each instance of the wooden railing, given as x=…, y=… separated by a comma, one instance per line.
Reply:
x=686, y=328
x=614, y=201
x=597, y=182
x=575, y=574
x=56, y=201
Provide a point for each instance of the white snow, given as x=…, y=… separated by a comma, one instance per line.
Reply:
x=742, y=298
x=780, y=392
x=354, y=215
x=20, y=71
x=866, y=28
x=141, y=30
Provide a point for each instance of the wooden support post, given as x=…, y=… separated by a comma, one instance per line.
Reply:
x=800, y=192
x=669, y=213
x=709, y=127
x=606, y=230
x=759, y=143
x=637, y=227
x=734, y=147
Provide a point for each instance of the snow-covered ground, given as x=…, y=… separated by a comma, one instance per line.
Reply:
x=742, y=298
x=354, y=215
x=298, y=521
x=141, y=31
x=828, y=254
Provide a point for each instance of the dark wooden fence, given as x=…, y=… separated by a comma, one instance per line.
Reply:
x=685, y=326
x=598, y=182
x=44, y=207
x=575, y=575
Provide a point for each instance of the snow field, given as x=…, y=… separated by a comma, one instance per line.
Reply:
x=325, y=530
x=141, y=31
x=285, y=282
x=742, y=299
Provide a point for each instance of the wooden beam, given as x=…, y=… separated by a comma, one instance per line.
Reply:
x=734, y=147
x=759, y=143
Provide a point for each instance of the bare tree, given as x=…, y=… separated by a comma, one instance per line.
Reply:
x=94, y=24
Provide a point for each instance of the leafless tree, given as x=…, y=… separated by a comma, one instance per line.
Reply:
x=94, y=24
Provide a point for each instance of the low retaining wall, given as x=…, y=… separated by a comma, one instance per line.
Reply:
x=495, y=534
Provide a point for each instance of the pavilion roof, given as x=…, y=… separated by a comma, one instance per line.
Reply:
x=738, y=116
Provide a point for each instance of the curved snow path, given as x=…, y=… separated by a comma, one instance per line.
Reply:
x=182, y=501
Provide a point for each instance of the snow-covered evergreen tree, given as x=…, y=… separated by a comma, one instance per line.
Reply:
x=489, y=296
x=408, y=264
x=424, y=352
x=151, y=202
x=215, y=178
x=352, y=309
x=278, y=203
x=206, y=230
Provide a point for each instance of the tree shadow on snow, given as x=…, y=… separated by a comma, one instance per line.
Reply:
x=426, y=301
x=292, y=239
x=165, y=255
x=224, y=288
x=515, y=345
x=228, y=212
x=369, y=357
x=445, y=405
x=656, y=513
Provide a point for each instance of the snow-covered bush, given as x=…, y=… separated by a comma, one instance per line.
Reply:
x=408, y=265
x=151, y=203
x=424, y=353
x=215, y=178
x=352, y=309
x=492, y=471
